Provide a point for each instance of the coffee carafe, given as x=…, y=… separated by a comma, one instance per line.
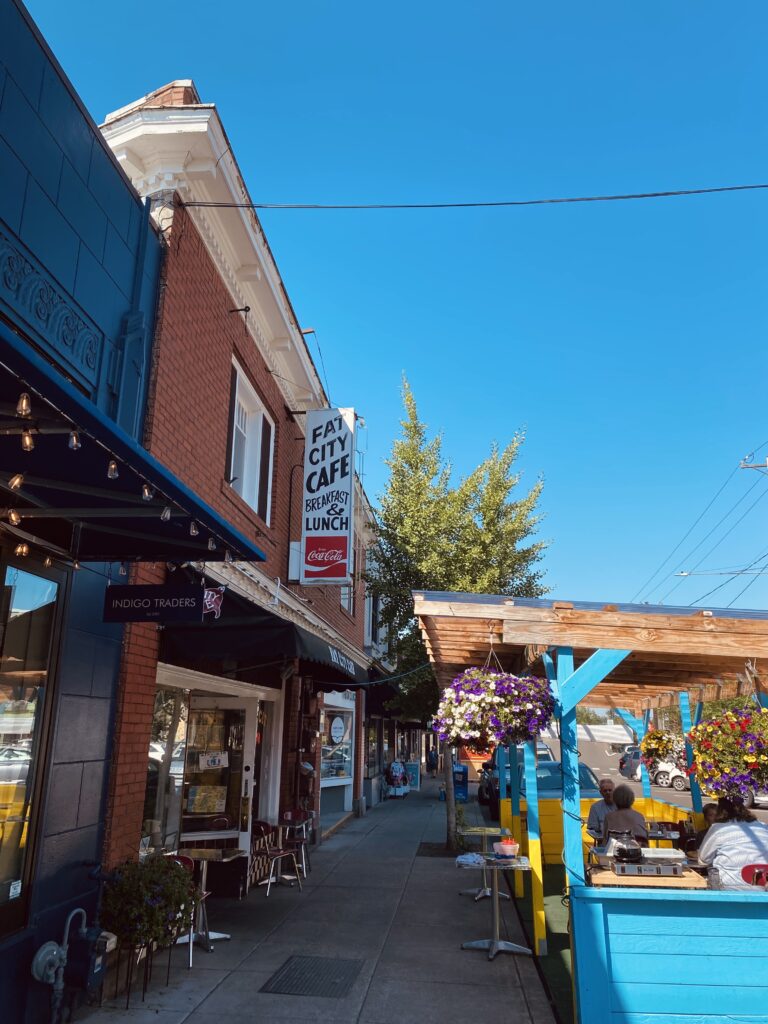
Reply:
x=623, y=846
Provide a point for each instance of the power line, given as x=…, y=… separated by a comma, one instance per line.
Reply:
x=725, y=583
x=690, y=530
x=727, y=533
x=667, y=194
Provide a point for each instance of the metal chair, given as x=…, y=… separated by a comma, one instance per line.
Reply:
x=755, y=874
x=262, y=830
x=187, y=925
x=297, y=824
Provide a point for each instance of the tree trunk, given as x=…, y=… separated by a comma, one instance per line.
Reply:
x=450, y=798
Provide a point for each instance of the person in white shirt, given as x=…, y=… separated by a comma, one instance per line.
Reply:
x=600, y=808
x=735, y=839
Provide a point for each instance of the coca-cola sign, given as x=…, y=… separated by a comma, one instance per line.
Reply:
x=327, y=504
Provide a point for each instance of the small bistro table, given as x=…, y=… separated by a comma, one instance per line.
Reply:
x=484, y=831
x=496, y=944
x=202, y=935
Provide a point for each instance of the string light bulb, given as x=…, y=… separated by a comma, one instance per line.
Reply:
x=227, y=555
x=21, y=550
x=123, y=570
x=13, y=517
x=47, y=561
x=112, y=471
x=193, y=529
x=27, y=440
x=165, y=515
x=211, y=543
x=16, y=481
x=24, y=405
x=147, y=492
x=74, y=440
x=75, y=564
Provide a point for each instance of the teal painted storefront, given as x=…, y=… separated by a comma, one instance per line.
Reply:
x=79, y=266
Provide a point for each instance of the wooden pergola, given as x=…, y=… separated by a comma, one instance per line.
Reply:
x=708, y=654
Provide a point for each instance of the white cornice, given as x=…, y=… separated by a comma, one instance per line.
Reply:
x=185, y=149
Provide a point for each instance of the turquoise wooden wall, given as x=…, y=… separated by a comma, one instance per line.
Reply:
x=670, y=956
x=78, y=265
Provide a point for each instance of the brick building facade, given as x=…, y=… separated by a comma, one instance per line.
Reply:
x=279, y=651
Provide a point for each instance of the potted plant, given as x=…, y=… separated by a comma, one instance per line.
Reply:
x=143, y=902
x=730, y=753
x=659, y=746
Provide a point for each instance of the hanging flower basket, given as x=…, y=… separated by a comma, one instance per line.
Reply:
x=730, y=753
x=658, y=745
x=483, y=707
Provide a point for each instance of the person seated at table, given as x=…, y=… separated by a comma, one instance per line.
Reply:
x=623, y=818
x=736, y=838
x=600, y=808
x=709, y=811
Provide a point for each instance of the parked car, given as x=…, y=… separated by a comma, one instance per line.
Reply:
x=489, y=772
x=14, y=764
x=550, y=784
x=666, y=774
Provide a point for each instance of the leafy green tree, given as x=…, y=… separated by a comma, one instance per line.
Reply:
x=588, y=716
x=473, y=536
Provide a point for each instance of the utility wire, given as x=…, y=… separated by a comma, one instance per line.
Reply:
x=727, y=533
x=669, y=193
x=690, y=530
x=726, y=582
x=711, y=531
x=745, y=588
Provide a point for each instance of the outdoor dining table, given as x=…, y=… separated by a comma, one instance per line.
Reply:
x=496, y=944
x=484, y=831
x=202, y=935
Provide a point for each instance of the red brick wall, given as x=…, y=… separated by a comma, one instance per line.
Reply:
x=187, y=426
x=136, y=701
x=197, y=339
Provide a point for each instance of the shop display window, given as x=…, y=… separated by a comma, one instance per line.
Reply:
x=213, y=771
x=336, y=739
x=165, y=771
x=27, y=618
x=373, y=748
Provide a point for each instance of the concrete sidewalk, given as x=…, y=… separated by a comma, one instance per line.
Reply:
x=369, y=898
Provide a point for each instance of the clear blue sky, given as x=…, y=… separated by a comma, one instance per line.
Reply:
x=628, y=339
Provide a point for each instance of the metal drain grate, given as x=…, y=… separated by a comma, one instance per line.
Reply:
x=314, y=976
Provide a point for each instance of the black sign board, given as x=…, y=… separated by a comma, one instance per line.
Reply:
x=154, y=603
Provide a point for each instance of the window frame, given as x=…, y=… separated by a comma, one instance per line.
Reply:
x=244, y=395
x=15, y=914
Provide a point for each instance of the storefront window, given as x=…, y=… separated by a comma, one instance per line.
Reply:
x=214, y=771
x=27, y=607
x=372, y=749
x=165, y=771
x=336, y=738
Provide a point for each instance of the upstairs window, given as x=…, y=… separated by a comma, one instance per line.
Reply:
x=251, y=446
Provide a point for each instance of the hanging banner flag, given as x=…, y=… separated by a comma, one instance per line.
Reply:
x=327, y=513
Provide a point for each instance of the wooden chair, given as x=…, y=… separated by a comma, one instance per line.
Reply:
x=262, y=834
x=755, y=874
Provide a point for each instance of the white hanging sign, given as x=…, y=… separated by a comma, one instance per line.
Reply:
x=327, y=514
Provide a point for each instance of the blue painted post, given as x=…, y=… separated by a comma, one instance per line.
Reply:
x=569, y=753
x=698, y=712
x=687, y=724
x=517, y=828
x=762, y=699
x=639, y=727
x=534, y=849
x=501, y=764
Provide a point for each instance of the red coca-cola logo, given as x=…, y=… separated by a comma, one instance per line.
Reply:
x=329, y=555
x=326, y=556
